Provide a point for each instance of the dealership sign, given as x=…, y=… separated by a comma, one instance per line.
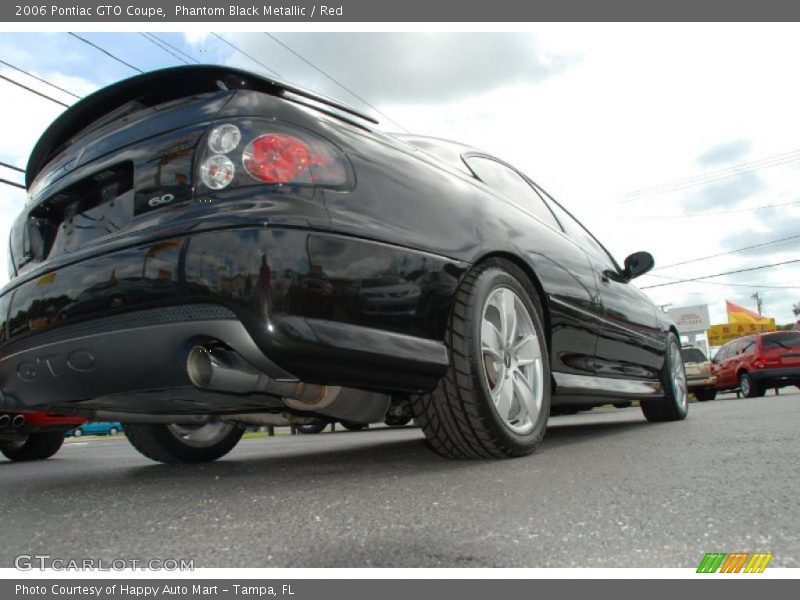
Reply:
x=722, y=334
x=690, y=319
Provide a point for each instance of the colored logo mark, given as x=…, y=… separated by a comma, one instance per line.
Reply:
x=735, y=562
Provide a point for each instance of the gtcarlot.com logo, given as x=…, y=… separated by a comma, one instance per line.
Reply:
x=42, y=562
x=736, y=562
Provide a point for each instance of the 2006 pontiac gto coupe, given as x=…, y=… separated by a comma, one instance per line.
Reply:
x=204, y=248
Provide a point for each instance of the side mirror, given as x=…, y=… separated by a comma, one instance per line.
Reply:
x=638, y=264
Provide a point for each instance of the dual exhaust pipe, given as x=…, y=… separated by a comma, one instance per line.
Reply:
x=16, y=421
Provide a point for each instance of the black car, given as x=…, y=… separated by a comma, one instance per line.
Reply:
x=308, y=266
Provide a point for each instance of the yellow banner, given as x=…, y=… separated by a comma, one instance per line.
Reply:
x=726, y=332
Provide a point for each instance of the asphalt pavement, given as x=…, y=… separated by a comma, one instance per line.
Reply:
x=606, y=489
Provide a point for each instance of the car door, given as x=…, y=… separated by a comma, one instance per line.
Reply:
x=630, y=342
x=563, y=267
x=741, y=352
x=726, y=366
x=717, y=367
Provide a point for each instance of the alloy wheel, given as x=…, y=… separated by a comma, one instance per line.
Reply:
x=512, y=360
x=679, y=386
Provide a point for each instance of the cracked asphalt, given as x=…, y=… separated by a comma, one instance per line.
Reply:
x=606, y=489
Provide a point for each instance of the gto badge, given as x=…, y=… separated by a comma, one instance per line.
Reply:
x=77, y=361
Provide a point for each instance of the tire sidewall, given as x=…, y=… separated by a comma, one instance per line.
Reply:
x=158, y=442
x=488, y=281
x=752, y=391
x=669, y=390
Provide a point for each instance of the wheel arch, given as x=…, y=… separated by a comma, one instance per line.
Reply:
x=526, y=268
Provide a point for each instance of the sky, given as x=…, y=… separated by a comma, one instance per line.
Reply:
x=681, y=140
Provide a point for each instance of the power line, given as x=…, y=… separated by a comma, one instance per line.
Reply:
x=12, y=167
x=709, y=214
x=165, y=49
x=37, y=78
x=235, y=47
x=712, y=176
x=104, y=51
x=686, y=262
x=7, y=182
x=178, y=50
x=742, y=285
x=33, y=91
x=337, y=82
x=788, y=262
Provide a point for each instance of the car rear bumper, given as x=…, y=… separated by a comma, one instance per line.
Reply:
x=15, y=424
x=782, y=375
x=114, y=331
x=701, y=382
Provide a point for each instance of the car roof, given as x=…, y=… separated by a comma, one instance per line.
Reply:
x=446, y=151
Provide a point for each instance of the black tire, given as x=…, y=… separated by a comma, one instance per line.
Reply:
x=317, y=427
x=705, y=395
x=750, y=388
x=160, y=443
x=674, y=406
x=37, y=446
x=459, y=418
x=350, y=426
x=397, y=421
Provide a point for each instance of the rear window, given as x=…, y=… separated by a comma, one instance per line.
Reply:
x=693, y=355
x=786, y=339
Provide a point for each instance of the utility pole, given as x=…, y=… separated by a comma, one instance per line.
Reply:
x=663, y=307
x=757, y=297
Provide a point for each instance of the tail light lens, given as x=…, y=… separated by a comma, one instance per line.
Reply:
x=276, y=154
x=767, y=361
x=285, y=159
x=217, y=171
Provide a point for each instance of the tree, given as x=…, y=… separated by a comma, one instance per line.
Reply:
x=796, y=309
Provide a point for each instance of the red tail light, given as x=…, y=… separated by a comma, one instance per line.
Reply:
x=767, y=361
x=281, y=158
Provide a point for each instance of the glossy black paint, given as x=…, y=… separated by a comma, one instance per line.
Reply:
x=340, y=287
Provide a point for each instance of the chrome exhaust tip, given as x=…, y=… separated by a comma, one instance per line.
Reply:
x=222, y=370
x=18, y=421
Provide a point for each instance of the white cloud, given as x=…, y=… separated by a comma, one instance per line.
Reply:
x=196, y=37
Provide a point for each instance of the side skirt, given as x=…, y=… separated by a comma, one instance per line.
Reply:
x=573, y=389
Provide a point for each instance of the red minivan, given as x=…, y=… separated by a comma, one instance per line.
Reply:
x=758, y=362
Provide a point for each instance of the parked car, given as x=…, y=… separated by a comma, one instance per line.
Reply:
x=698, y=373
x=755, y=363
x=97, y=428
x=233, y=187
x=34, y=435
